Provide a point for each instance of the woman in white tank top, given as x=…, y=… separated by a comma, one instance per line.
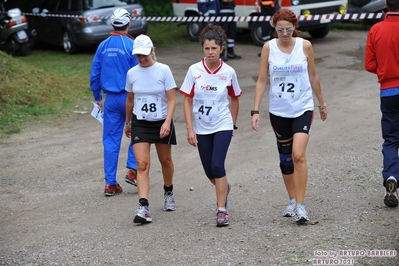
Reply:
x=289, y=61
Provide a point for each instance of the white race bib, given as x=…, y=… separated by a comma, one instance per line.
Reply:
x=148, y=107
x=205, y=110
x=286, y=87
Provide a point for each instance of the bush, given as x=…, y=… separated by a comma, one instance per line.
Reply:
x=157, y=8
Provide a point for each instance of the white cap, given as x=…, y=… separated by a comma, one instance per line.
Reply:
x=142, y=45
x=120, y=17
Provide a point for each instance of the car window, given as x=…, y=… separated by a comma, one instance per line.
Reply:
x=49, y=6
x=68, y=5
x=95, y=4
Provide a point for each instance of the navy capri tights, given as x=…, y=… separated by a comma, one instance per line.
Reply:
x=212, y=150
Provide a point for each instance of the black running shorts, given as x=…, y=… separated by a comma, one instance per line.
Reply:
x=148, y=131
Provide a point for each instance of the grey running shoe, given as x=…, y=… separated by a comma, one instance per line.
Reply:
x=290, y=210
x=142, y=215
x=301, y=215
x=391, y=195
x=222, y=218
x=169, y=203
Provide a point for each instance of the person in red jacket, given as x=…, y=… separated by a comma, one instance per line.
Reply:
x=382, y=58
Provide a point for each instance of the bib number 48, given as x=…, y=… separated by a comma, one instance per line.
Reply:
x=152, y=108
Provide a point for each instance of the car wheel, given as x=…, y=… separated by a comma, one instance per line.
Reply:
x=70, y=47
x=193, y=30
x=23, y=49
x=320, y=32
x=256, y=33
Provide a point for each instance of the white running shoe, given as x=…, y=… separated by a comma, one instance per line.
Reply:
x=169, y=202
x=301, y=215
x=290, y=210
x=142, y=215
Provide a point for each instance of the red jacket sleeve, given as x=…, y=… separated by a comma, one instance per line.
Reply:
x=370, y=60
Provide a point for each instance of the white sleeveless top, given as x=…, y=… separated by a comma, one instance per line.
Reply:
x=290, y=90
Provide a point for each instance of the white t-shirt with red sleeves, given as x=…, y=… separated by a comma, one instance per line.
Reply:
x=149, y=85
x=209, y=90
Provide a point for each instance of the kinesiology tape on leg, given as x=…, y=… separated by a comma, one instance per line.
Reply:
x=286, y=163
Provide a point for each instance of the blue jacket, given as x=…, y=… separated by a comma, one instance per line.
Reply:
x=110, y=64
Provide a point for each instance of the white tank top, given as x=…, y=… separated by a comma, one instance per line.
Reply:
x=290, y=90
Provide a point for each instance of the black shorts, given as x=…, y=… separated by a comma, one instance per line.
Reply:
x=285, y=128
x=148, y=131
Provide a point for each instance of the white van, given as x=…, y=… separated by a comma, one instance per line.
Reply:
x=246, y=8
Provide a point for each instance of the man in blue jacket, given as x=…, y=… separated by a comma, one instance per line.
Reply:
x=110, y=64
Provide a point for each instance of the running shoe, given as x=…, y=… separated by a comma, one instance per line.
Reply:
x=290, y=210
x=111, y=190
x=142, y=215
x=169, y=203
x=391, y=195
x=222, y=218
x=301, y=215
x=131, y=177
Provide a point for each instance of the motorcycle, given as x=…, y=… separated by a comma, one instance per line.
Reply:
x=14, y=37
x=367, y=6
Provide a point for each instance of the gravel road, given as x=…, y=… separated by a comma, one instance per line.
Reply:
x=53, y=210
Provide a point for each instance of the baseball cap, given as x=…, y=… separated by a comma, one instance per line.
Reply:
x=142, y=45
x=120, y=17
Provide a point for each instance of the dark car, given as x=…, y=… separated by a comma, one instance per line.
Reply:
x=81, y=23
x=374, y=9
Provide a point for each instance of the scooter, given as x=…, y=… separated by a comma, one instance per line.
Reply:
x=367, y=6
x=14, y=37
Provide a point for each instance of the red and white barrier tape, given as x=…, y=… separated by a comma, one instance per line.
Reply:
x=324, y=17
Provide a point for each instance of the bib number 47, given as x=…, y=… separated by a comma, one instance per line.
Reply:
x=204, y=109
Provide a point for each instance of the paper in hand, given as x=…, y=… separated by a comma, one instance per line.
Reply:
x=97, y=113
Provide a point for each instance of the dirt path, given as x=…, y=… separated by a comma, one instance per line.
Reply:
x=53, y=211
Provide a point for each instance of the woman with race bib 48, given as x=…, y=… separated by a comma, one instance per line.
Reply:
x=150, y=105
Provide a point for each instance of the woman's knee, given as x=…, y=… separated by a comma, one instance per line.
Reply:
x=143, y=166
x=166, y=161
x=298, y=158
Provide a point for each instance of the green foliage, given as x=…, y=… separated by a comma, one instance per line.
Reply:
x=157, y=8
x=28, y=93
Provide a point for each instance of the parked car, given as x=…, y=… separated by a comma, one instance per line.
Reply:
x=376, y=7
x=81, y=23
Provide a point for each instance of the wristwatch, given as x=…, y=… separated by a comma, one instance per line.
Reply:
x=254, y=112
